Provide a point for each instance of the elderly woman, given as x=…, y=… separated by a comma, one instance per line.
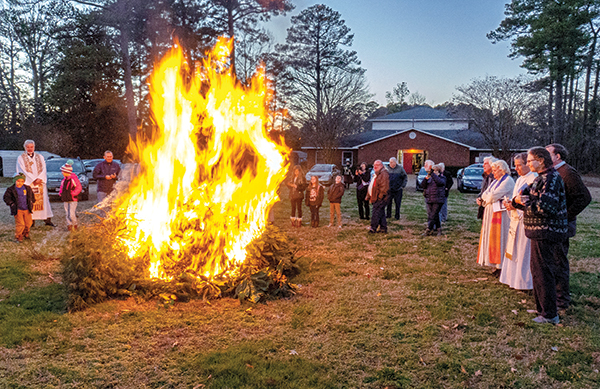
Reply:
x=496, y=221
x=515, y=266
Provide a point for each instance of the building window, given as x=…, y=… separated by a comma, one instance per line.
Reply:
x=347, y=156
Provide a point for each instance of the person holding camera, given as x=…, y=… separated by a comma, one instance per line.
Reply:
x=435, y=194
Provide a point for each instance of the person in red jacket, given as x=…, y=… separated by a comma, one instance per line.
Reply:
x=335, y=194
x=314, y=200
x=70, y=187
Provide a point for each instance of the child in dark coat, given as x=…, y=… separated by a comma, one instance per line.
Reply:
x=335, y=194
x=19, y=197
x=314, y=199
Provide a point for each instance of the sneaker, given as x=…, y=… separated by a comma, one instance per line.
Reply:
x=26, y=237
x=542, y=320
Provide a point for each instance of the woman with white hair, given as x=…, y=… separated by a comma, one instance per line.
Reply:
x=496, y=221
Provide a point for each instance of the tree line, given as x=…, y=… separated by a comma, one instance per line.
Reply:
x=73, y=72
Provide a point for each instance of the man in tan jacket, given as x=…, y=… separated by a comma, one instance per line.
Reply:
x=378, y=196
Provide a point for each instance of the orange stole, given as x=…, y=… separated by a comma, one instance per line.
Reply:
x=495, y=238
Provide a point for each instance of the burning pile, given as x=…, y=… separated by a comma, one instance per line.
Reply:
x=209, y=176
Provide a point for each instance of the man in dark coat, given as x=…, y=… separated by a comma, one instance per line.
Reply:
x=544, y=206
x=398, y=180
x=578, y=197
x=377, y=195
x=488, y=177
x=106, y=174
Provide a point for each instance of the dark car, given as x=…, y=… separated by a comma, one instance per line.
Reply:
x=469, y=178
x=90, y=164
x=420, y=178
x=325, y=173
x=55, y=176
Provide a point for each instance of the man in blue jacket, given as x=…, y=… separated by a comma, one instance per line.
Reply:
x=106, y=174
x=398, y=181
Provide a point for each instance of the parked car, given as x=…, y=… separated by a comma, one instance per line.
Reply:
x=90, y=164
x=325, y=173
x=55, y=176
x=420, y=177
x=469, y=179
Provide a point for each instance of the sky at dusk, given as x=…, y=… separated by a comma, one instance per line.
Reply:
x=433, y=45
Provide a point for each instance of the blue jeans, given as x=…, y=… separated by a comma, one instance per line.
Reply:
x=70, y=208
x=444, y=211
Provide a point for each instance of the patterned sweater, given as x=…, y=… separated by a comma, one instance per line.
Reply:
x=545, y=213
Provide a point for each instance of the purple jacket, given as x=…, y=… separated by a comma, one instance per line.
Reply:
x=434, y=189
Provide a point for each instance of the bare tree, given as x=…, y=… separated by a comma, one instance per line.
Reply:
x=501, y=109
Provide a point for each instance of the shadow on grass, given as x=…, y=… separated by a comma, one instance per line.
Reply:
x=258, y=365
x=31, y=315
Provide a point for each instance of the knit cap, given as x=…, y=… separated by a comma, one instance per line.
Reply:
x=67, y=167
x=19, y=176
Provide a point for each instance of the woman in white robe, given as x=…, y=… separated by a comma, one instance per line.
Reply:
x=33, y=165
x=496, y=222
x=515, y=265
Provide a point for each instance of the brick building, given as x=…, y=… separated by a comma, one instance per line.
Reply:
x=411, y=136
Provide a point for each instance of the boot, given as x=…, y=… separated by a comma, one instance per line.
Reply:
x=293, y=220
x=299, y=222
x=49, y=223
x=70, y=228
x=74, y=227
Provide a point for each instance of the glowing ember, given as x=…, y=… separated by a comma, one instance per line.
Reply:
x=211, y=175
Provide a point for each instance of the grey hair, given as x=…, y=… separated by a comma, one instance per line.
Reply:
x=28, y=142
x=393, y=159
x=108, y=152
x=502, y=165
x=489, y=159
x=442, y=165
x=429, y=162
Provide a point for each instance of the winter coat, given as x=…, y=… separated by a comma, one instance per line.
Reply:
x=398, y=178
x=449, y=182
x=11, y=198
x=102, y=170
x=434, y=189
x=335, y=193
x=298, y=192
x=362, y=177
x=319, y=198
x=70, y=187
x=381, y=187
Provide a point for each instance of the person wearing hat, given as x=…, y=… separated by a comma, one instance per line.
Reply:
x=70, y=187
x=19, y=197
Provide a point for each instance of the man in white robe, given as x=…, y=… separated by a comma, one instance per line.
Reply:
x=33, y=165
x=516, y=272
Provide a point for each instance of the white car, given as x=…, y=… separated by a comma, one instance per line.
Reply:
x=326, y=173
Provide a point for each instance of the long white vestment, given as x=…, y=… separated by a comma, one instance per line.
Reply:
x=34, y=167
x=515, y=265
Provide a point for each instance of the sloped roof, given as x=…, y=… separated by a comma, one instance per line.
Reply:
x=418, y=113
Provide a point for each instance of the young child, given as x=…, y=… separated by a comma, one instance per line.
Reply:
x=19, y=197
x=335, y=194
x=70, y=187
x=314, y=199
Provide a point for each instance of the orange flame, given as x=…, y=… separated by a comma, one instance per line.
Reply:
x=211, y=175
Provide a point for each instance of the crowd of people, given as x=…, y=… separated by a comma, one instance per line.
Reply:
x=28, y=197
x=526, y=225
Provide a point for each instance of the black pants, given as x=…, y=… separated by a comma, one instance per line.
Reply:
x=363, y=205
x=378, y=217
x=314, y=215
x=297, y=205
x=562, y=272
x=543, y=272
x=433, y=216
x=394, y=197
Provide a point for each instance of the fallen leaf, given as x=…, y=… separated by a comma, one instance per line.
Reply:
x=445, y=327
x=515, y=311
x=531, y=311
x=381, y=268
x=199, y=386
x=378, y=294
x=560, y=325
x=455, y=326
x=518, y=357
x=175, y=344
x=293, y=352
x=462, y=368
x=249, y=365
x=478, y=373
x=422, y=361
x=482, y=279
x=513, y=369
x=523, y=301
x=554, y=348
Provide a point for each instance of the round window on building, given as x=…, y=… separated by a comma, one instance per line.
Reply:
x=412, y=135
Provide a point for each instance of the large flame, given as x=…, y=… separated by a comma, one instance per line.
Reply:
x=211, y=175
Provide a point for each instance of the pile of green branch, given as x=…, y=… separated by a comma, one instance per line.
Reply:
x=96, y=268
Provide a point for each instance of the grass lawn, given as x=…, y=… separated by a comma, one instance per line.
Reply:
x=372, y=311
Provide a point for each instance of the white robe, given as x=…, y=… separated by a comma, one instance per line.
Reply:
x=494, y=193
x=34, y=169
x=516, y=272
